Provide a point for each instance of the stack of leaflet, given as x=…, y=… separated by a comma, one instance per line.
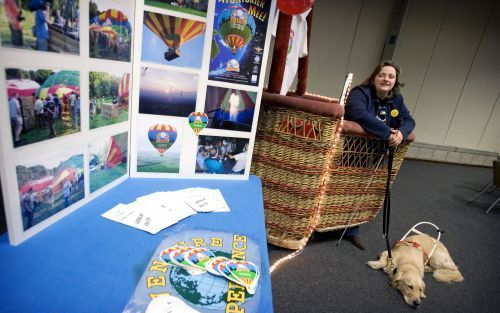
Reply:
x=160, y=210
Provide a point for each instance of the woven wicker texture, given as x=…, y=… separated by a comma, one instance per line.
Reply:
x=290, y=156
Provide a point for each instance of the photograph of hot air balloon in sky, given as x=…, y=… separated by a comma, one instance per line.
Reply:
x=108, y=98
x=110, y=29
x=41, y=25
x=159, y=144
x=172, y=40
x=221, y=155
x=107, y=160
x=195, y=7
x=49, y=184
x=230, y=109
x=167, y=92
x=238, y=41
x=43, y=104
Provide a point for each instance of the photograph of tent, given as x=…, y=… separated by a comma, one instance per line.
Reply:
x=41, y=25
x=48, y=185
x=107, y=160
x=43, y=104
x=109, y=95
x=110, y=29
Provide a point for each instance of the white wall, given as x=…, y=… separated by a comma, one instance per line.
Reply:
x=447, y=51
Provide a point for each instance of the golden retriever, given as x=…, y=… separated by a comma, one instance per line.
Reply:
x=409, y=259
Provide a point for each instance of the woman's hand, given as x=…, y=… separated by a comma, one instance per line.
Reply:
x=396, y=138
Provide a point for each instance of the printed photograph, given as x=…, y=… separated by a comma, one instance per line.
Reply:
x=108, y=159
x=48, y=185
x=230, y=109
x=172, y=40
x=41, y=25
x=238, y=41
x=108, y=98
x=43, y=104
x=159, y=144
x=167, y=92
x=221, y=155
x=110, y=29
x=194, y=7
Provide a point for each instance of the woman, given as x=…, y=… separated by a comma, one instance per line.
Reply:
x=370, y=104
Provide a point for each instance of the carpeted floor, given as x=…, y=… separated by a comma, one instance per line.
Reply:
x=330, y=278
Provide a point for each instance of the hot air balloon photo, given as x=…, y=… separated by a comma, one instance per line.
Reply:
x=107, y=160
x=110, y=29
x=172, y=40
x=158, y=144
x=194, y=7
x=48, y=184
x=238, y=38
x=43, y=99
x=108, y=98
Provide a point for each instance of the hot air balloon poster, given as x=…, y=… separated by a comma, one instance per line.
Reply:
x=159, y=143
x=45, y=103
x=238, y=41
x=49, y=184
x=172, y=40
x=167, y=92
x=229, y=108
x=108, y=98
x=194, y=7
x=59, y=32
x=107, y=160
x=110, y=29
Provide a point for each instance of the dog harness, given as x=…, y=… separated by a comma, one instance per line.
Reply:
x=415, y=245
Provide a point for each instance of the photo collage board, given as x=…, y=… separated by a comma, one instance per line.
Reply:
x=154, y=88
x=65, y=106
x=198, y=72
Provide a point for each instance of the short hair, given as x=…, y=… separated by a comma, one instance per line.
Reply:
x=369, y=81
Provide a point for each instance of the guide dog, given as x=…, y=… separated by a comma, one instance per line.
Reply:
x=409, y=262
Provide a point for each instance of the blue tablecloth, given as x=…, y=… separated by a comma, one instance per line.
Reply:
x=86, y=263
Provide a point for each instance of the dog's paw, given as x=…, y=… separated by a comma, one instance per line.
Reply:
x=376, y=265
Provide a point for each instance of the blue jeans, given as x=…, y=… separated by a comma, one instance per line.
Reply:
x=353, y=231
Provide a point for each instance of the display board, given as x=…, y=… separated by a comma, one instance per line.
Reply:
x=93, y=92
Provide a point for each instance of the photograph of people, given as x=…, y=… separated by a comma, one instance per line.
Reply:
x=230, y=109
x=42, y=104
x=48, y=185
x=43, y=25
x=110, y=29
x=221, y=155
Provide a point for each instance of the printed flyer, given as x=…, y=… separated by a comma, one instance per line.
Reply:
x=238, y=41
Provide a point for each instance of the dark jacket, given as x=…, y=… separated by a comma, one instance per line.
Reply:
x=363, y=106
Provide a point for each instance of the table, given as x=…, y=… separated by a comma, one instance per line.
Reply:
x=86, y=263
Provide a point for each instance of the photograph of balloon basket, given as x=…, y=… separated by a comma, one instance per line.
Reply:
x=221, y=155
x=43, y=25
x=43, y=104
x=194, y=7
x=230, y=109
x=108, y=160
x=110, y=30
x=167, y=92
x=172, y=40
x=108, y=98
x=159, y=144
x=49, y=184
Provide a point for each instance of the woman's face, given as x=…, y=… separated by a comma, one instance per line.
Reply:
x=385, y=80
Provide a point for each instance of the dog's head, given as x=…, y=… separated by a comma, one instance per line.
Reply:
x=410, y=284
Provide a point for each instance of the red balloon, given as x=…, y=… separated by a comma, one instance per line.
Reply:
x=294, y=7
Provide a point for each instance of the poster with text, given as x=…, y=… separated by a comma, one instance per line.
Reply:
x=48, y=185
x=159, y=142
x=194, y=7
x=172, y=40
x=43, y=104
x=238, y=41
x=109, y=95
x=108, y=159
x=110, y=29
x=41, y=25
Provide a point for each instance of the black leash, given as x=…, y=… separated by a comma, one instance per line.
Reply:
x=387, y=202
